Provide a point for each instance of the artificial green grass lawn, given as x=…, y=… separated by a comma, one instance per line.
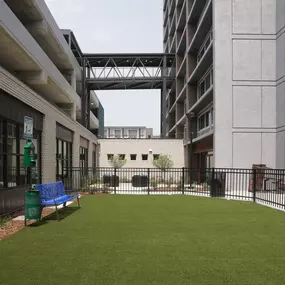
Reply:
x=150, y=240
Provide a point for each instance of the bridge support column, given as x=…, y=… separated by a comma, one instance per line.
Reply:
x=163, y=98
x=85, y=97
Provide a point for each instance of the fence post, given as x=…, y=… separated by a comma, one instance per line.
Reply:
x=148, y=178
x=115, y=180
x=183, y=180
x=254, y=185
x=213, y=183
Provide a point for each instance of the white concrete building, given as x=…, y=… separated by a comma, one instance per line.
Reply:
x=40, y=78
x=140, y=153
x=127, y=132
x=229, y=96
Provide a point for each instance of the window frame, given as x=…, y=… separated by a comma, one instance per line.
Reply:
x=65, y=159
x=144, y=156
x=110, y=156
x=20, y=175
x=133, y=156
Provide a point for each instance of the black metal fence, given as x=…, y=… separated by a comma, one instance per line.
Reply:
x=264, y=186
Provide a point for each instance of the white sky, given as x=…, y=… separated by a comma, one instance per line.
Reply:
x=118, y=26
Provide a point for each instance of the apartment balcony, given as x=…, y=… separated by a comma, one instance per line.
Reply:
x=172, y=108
x=171, y=91
x=181, y=67
x=203, y=101
x=21, y=54
x=181, y=120
x=181, y=23
x=94, y=123
x=204, y=133
x=204, y=25
x=165, y=34
x=172, y=43
x=165, y=5
x=94, y=99
x=171, y=7
x=165, y=17
x=172, y=26
x=181, y=40
x=181, y=96
x=38, y=20
x=179, y=3
x=196, y=11
x=203, y=65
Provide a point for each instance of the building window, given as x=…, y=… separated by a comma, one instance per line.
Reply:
x=133, y=134
x=83, y=153
x=110, y=156
x=12, y=170
x=205, y=84
x=1, y=154
x=133, y=157
x=122, y=156
x=205, y=120
x=94, y=158
x=105, y=133
x=125, y=132
x=144, y=156
x=63, y=160
x=118, y=133
x=155, y=156
x=205, y=46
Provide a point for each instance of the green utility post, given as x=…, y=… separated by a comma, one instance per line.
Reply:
x=32, y=197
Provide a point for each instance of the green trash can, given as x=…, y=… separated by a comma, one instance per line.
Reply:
x=33, y=209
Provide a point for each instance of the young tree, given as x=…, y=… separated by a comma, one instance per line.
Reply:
x=117, y=161
x=163, y=162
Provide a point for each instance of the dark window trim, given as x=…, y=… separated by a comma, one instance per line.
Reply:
x=18, y=154
x=144, y=157
x=133, y=157
x=14, y=110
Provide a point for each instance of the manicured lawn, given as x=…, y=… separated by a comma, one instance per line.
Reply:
x=150, y=240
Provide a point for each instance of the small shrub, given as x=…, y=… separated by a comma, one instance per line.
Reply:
x=4, y=221
x=117, y=161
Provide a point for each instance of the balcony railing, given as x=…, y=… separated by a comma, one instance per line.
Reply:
x=205, y=45
x=202, y=13
x=205, y=131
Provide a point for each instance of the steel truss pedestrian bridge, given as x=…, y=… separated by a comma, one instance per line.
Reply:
x=129, y=71
x=124, y=71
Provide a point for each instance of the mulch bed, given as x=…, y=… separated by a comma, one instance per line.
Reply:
x=11, y=227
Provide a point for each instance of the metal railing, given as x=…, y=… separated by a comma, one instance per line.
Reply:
x=263, y=186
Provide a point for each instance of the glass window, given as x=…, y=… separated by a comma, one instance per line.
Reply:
x=133, y=157
x=84, y=160
x=202, y=89
x=63, y=160
x=117, y=133
x=133, y=134
x=1, y=154
x=12, y=169
x=94, y=159
x=207, y=82
x=110, y=156
x=155, y=156
x=207, y=117
x=122, y=156
x=144, y=156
